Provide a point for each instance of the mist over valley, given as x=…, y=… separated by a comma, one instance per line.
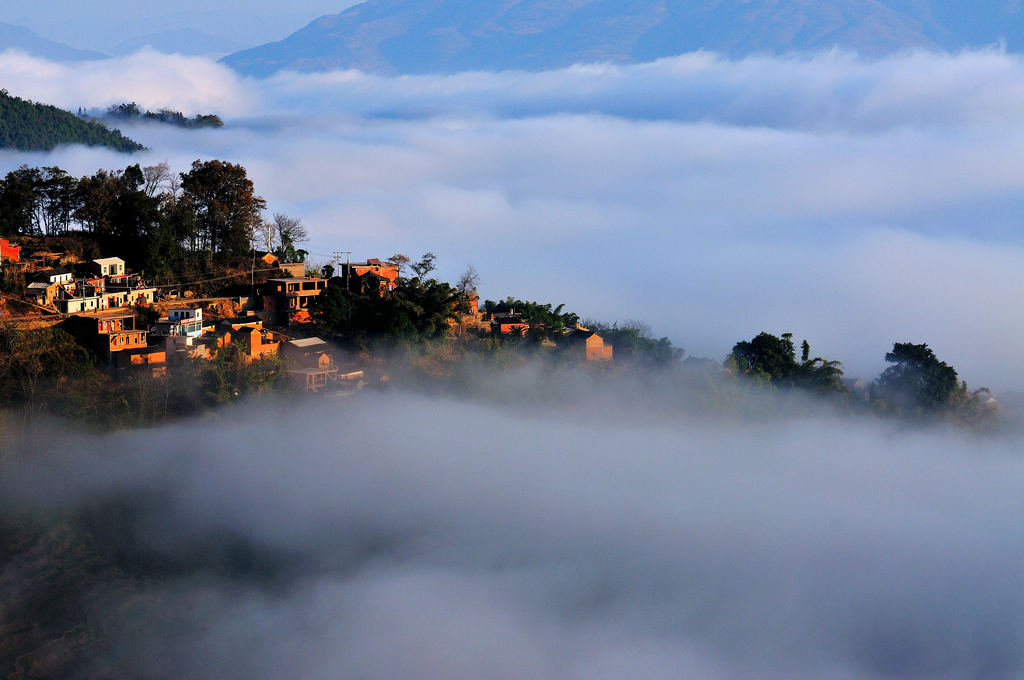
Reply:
x=476, y=511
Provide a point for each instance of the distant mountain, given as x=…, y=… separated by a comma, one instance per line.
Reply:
x=21, y=38
x=29, y=126
x=424, y=36
x=179, y=41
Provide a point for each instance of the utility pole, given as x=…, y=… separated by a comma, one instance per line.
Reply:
x=348, y=262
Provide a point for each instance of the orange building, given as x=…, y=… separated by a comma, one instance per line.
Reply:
x=509, y=324
x=588, y=345
x=9, y=252
x=290, y=298
x=107, y=332
x=373, y=277
x=261, y=342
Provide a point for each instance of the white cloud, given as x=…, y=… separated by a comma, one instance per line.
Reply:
x=853, y=202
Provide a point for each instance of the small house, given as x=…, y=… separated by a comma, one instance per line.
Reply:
x=310, y=363
x=107, y=333
x=587, y=344
x=289, y=298
x=107, y=266
x=184, y=322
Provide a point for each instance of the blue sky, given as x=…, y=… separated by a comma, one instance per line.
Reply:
x=103, y=23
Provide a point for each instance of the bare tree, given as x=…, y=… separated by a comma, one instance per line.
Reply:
x=155, y=176
x=469, y=280
x=290, y=229
x=174, y=186
x=398, y=260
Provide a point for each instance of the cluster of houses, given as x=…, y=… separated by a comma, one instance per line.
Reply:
x=99, y=299
x=99, y=296
x=100, y=284
x=583, y=342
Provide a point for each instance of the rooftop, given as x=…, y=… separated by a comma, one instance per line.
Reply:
x=307, y=342
x=109, y=260
x=108, y=315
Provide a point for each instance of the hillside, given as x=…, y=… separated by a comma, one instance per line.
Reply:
x=425, y=36
x=24, y=40
x=29, y=126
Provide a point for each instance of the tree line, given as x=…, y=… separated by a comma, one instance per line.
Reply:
x=159, y=221
x=126, y=111
x=916, y=385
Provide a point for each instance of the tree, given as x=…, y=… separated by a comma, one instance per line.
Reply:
x=330, y=310
x=633, y=340
x=772, y=360
x=290, y=231
x=398, y=260
x=469, y=281
x=226, y=207
x=425, y=265
x=155, y=177
x=18, y=201
x=766, y=356
x=917, y=381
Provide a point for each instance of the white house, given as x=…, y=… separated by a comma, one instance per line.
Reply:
x=186, y=322
x=108, y=266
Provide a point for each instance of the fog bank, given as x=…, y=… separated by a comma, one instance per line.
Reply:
x=402, y=536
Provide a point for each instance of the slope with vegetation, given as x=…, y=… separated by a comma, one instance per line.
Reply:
x=30, y=126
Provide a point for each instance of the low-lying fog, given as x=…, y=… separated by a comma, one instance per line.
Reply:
x=401, y=536
x=854, y=203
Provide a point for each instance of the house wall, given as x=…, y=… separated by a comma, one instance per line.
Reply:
x=596, y=350
x=9, y=252
x=78, y=305
x=127, y=340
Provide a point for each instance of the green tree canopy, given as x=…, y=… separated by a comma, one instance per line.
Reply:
x=917, y=380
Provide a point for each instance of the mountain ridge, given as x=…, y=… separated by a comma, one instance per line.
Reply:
x=26, y=40
x=443, y=36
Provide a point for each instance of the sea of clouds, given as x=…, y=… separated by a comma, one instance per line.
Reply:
x=402, y=536
x=855, y=203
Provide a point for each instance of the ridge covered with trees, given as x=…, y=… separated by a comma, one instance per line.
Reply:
x=132, y=112
x=31, y=126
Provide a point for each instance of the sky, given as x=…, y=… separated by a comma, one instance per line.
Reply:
x=853, y=203
x=103, y=24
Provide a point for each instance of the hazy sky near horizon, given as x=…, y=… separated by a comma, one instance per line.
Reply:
x=853, y=203
x=102, y=24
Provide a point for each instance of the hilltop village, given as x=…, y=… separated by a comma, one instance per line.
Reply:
x=131, y=296
x=128, y=324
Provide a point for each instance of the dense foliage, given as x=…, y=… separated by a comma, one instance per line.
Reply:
x=132, y=111
x=772, y=360
x=419, y=308
x=544, y=319
x=29, y=126
x=162, y=223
